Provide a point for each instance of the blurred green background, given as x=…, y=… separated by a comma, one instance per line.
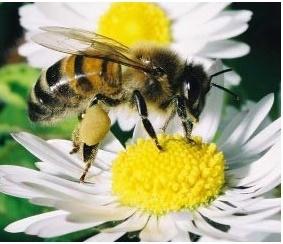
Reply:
x=260, y=72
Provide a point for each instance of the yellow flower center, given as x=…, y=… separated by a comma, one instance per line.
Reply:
x=130, y=23
x=183, y=176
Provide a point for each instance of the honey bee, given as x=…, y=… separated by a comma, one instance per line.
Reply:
x=100, y=72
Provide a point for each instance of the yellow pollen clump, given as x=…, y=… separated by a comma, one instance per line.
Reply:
x=183, y=176
x=130, y=23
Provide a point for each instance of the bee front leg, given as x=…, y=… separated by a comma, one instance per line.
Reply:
x=89, y=153
x=142, y=110
x=187, y=123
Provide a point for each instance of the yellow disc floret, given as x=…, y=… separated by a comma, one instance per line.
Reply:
x=182, y=176
x=130, y=23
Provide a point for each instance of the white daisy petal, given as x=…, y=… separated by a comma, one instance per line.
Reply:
x=31, y=18
x=269, y=182
x=229, y=31
x=245, y=175
x=250, y=218
x=259, y=143
x=236, y=26
x=126, y=118
x=10, y=188
x=161, y=229
x=84, y=212
x=210, y=116
x=102, y=161
x=211, y=213
x=260, y=187
x=188, y=51
x=23, y=224
x=105, y=237
x=181, y=236
x=209, y=230
x=56, y=11
x=224, y=49
x=46, y=188
x=270, y=226
x=175, y=126
x=232, y=79
x=111, y=144
x=264, y=204
x=66, y=146
x=40, y=184
x=184, y=222
x=28, y=48
x=91, y=11
x=247, y=126
x=232, y=125
x=44, y=151
x=177, y=10
x=239, y=15
x=204, y=12
x=133, y=223
x=139, y=132
x=56, y=226
x=199, y=31
x=50, y=57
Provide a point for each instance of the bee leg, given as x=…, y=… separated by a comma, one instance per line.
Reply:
x=183, y=115
x=142, y=110
x=89, y=153
x=76, y=141
x=106, y=100
x=171, y=116
x=75, y=149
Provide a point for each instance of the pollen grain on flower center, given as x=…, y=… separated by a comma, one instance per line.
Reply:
x=130, y=23
x=183, y=176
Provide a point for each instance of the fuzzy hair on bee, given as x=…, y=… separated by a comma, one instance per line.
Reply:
x=100, y=72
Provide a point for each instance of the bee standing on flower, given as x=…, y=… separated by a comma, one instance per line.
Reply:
x=103, y=72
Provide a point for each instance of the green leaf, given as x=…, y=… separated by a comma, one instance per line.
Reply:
x=7, y=96
x=14, y=153
x=21, y=74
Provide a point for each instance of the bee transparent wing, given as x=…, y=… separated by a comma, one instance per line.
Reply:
x=82, y=42
x=60, y=43
x=86, y=36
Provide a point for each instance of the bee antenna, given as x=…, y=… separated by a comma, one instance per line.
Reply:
x=226, y=90
x=221, y=87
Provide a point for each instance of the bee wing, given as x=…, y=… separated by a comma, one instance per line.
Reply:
x=82, y=42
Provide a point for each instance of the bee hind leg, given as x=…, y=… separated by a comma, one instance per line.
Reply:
x=76, y=141
x=89, y=153
x=142, y=110
x=75, y=149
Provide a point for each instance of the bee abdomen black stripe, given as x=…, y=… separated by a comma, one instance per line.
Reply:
x=104, y=69
x=43, y=96
x=53, y=74
x=83, y=81
x=36, y=108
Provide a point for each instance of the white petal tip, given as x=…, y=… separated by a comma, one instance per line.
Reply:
x=12, y=228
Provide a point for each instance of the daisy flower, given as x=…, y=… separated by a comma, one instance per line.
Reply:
x=209, y=190
x=196, y=31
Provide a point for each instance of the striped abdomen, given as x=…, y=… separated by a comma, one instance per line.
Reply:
x=68, y=85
